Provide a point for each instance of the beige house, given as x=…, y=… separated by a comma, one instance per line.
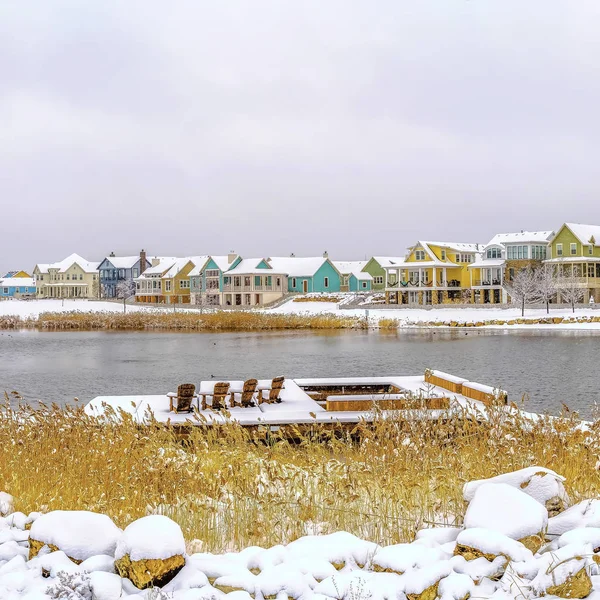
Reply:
x=73, y=277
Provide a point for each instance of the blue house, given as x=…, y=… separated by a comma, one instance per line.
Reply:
x=308, y=275
x=206, y=279
x=354, y=279
x=16, y=287
x=115, y=269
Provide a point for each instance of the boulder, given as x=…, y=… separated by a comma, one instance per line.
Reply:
x=80, y=534
x=423, y=584
x=150, y=552
x=477, y=543
x=543, y=485
x=564, y=573
x=507, y=510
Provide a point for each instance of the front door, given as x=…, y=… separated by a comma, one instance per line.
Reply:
x=305, y=286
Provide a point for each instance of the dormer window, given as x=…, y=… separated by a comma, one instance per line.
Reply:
x=494, y=253
x=420, y=254
x=443, y=255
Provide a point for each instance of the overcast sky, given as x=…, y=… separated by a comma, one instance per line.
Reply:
x=270, y=127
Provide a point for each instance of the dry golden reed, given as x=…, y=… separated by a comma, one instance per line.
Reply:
x=230, y=489
x=179, y=321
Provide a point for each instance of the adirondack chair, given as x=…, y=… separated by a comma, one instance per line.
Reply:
x=220, y=392
x=182, y=400
x=274, y=391
x=247, y=394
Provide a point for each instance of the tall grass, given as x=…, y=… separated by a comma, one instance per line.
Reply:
x=229, y=489
x=180, y=321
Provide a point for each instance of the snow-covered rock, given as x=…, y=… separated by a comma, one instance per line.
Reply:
x=583, y=514
x=151, y=551
x=400, y=558
x=422, y=584
x=6, y=504
x=543, y=485
x=80, y=534
x=476, y=542
x=507, y=510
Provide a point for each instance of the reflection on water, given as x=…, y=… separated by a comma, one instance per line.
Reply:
x=546, y=367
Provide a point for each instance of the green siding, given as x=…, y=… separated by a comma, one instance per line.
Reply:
x=374, y=269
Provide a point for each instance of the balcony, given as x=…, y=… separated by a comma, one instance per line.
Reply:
x=487, y=283
x=230, y=287
x=424, y=285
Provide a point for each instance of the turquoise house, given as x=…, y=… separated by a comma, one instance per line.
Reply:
x=16, y=287
x=308, y=275
x=353, y=278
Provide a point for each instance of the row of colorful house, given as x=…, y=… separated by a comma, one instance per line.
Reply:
x=429, y=273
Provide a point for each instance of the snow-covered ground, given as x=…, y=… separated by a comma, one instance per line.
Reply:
x=406, y=317
x=520, y=538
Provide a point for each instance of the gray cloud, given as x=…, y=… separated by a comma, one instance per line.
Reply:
x=269, y=127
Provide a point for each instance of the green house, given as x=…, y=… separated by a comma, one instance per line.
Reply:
x=376, y=268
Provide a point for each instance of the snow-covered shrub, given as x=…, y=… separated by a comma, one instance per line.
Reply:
x=71, y=586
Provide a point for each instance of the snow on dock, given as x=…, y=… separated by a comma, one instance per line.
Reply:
x=310, y=401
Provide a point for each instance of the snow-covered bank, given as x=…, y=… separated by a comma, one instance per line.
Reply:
x=452, y=317
x=584, y=318
x=519, y=539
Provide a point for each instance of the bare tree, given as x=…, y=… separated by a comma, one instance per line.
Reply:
x=546, y=285
x=125, y=289
x=522, y=289
x=570, y=286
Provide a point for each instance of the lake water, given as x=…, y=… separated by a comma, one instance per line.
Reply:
x=547, y=367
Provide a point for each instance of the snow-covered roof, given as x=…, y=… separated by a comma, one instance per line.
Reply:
x=352, y=267
x=64, y=265
x=17, y=282
x=164, y=263
x=249, y=266
x=521, y=237
x=296, y=266
x=584, y=233
x=180, y=263
x=457, y=246
x=125, y=262
x=389, y=261
x=223, y=261
x=486, y=262
x=42, y=267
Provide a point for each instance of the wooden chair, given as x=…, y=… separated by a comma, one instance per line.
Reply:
x=274, y=390
x=218, y=396
x=247, y=395
x=182, y=400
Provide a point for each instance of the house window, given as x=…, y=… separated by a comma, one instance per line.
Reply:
x=443, y=255
x=212, y=273
x=135, y=273
x=247, y=299
x=378, y=279
x=573, y=249
x=494, y=253
x=247, y=283
x=364, y=284
x=167, y=286
x=184, y=284
x=278, y=281
x=559, y=250
x=590, y=250
x=590, y=270
x=237, y=281
x=293, y=282
x=326, y=282
x=81, y=277
x=68, y=277
x=5, y=290
x=420, y=254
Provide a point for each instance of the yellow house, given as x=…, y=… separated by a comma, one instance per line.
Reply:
x=167, y=281
x=73, y=277
x=432, y=273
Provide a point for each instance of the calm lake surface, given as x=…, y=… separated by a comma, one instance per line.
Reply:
x=547, y=367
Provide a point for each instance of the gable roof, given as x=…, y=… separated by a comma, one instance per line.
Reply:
x=249, y=266
x=124, y=262
x=456, y=246
x=65, y=264
x=523, y=237
x=584, y=233
x=388, y=261
x=352, y=267
x=298, y=266
x=164, y=263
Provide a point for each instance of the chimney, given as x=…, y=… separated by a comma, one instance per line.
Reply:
x=155, y=261
x=142, y=261
x=325, y=254
x=111, y=254
x=231, y=257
